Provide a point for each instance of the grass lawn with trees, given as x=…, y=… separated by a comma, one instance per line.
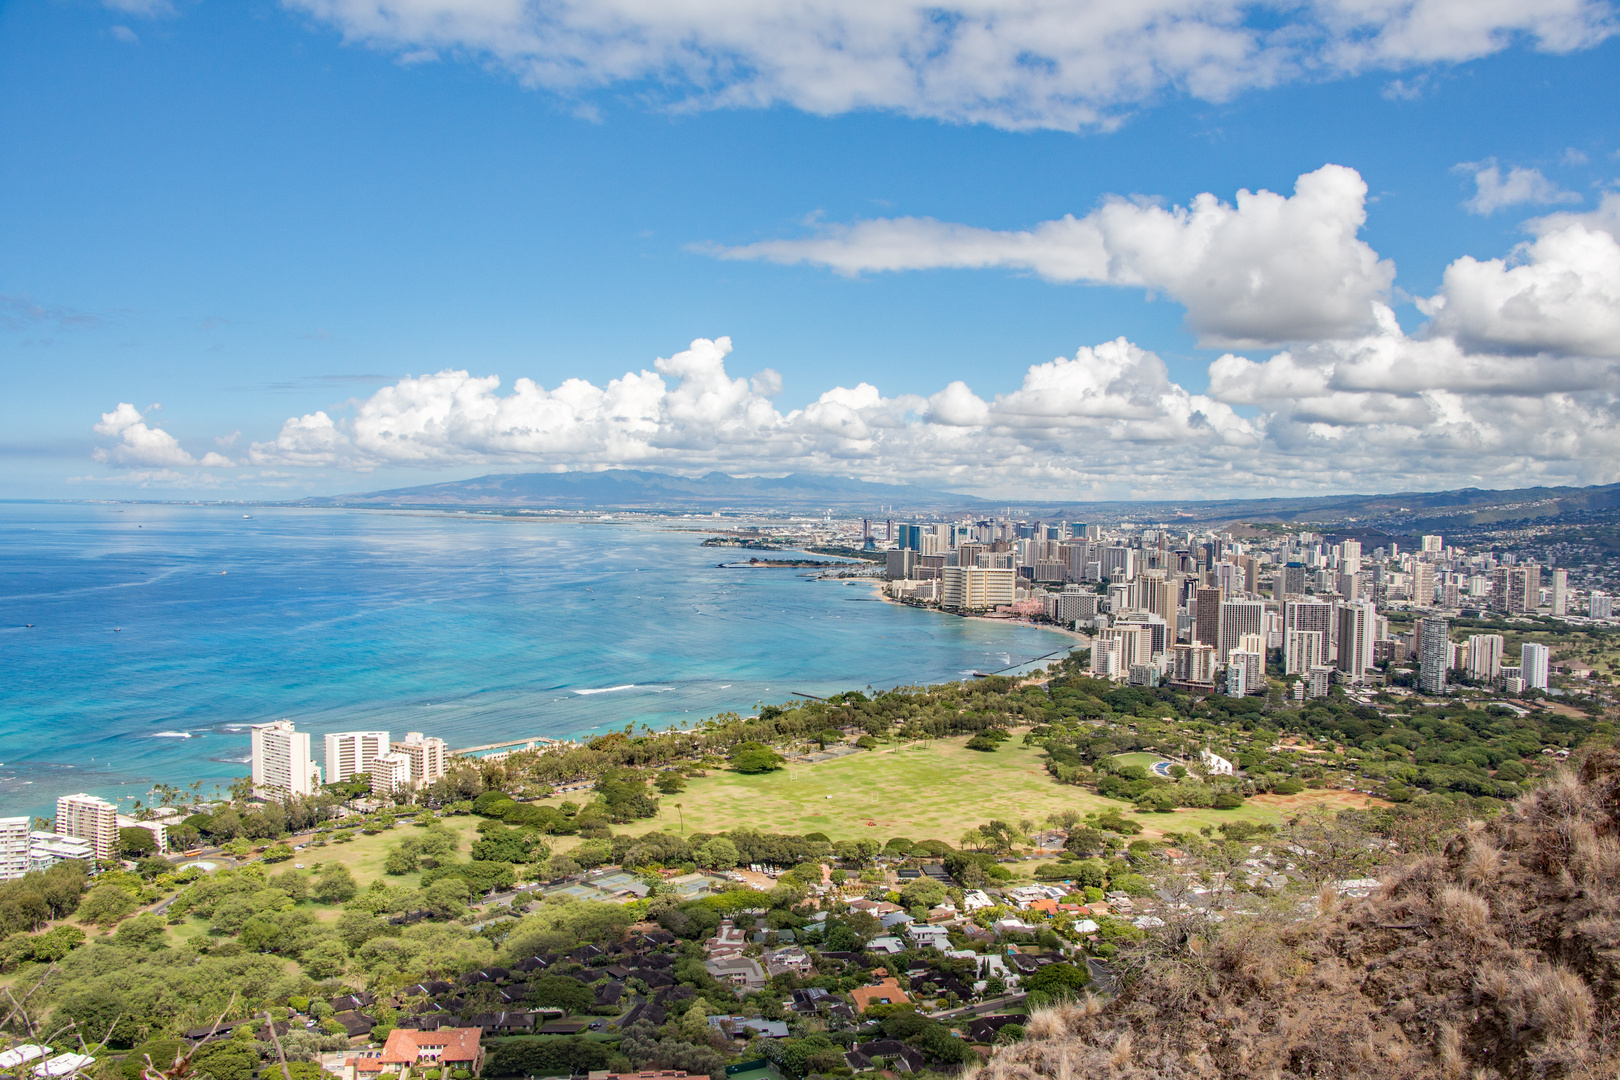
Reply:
x=926, y=790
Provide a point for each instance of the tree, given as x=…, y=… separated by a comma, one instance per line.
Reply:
x=1057, y=980
x=717, y=854
x=755, y=757
x=982, y=743
x=399, y=862
x=106, y=904
x=334, y=885
x=227, y=1059
x=325, y=959
x=135, y=842
x=560, y=992
x=447, y=897
x=143, y=932
x=671, y=783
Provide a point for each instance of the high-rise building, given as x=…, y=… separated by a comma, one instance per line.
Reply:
x=974, y=588
x=1105, y=653
x=1560, y=592
x=1434, y=654
x=1357, y=632
x=1485, y=656
x=1433, y=545
x=1207, y=616
x=1599, y=605
x=1238, y=617
x=351, y=752
x=1118, y=563
x=1303, y=650
x=909, y=537
x=1288, y=580
x=1534, y=662
x=427, y=756
x=1423, y=584
x=1158, y=595
x=281, y=761
x=1193, y=664
x=1350, y=557
x=14, y=841
x=90, y=819
x=899, y=564
x=390, y=773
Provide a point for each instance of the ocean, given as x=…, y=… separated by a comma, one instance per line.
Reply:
x=159, y=633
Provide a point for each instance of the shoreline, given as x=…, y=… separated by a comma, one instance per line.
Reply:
x=1000, y=620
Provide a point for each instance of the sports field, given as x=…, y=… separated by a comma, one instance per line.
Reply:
x=922, y=791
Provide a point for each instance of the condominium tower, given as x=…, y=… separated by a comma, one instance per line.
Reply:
x=351, y=752
x=90, y=819
x=281, y=761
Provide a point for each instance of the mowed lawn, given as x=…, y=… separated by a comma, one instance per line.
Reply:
x=1147, y=761
x=922, y=791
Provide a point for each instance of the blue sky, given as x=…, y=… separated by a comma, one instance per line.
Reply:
x=264, y=217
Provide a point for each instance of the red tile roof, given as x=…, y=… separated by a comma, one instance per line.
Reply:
x=405, y=1046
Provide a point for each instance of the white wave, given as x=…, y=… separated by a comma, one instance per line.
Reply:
x=606, y=689
x=170, y=735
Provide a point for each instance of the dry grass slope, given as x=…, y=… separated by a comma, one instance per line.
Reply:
x=1499, y=958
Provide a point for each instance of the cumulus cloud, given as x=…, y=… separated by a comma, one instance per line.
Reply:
x=1268, y=269
x=1065, y=64
x=141, y=445
x=1558, y=293
x=1390, y=405
x=1493, y=191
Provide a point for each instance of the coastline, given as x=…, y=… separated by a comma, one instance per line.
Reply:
x=999, y=620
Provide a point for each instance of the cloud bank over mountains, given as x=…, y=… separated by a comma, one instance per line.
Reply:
x=1514, y=380
x=1064, y=64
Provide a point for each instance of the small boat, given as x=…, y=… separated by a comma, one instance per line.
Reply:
x=118, y=629
x=247, y=517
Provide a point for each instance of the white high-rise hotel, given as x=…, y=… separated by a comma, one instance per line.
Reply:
x=351, y=752
x=281, y=761
x=90, y=819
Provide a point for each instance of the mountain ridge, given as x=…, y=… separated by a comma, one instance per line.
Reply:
x=636, y=489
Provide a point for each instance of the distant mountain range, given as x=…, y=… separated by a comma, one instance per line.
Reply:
x=628, y=489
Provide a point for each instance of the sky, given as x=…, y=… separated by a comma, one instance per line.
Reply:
x=1167, y=249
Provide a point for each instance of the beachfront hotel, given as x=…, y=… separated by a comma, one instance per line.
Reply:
x=88, y=818
x=352, y=752
x=281, y=761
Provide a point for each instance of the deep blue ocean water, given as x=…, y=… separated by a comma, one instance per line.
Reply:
x=160, y=632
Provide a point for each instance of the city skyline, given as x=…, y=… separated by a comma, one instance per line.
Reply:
x=320, y=247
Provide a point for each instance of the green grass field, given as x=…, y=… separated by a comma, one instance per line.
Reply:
x=923, y=791
x=1147, y=761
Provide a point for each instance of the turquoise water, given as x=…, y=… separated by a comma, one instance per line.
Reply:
x=161, y=632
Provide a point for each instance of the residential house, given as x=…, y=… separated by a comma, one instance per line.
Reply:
x=738, y=970
x=456, y=1048
x=887, y=992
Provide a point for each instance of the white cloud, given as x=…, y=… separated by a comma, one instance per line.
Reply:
x=140, y=445
x=126, y=35
x=1027, y=64
x=1389, y=404
x=1558, y=293
x=1493, y=191
x=1382, y=411
x=1271, y=268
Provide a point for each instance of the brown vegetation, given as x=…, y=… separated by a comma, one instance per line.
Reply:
x=1498, y=956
